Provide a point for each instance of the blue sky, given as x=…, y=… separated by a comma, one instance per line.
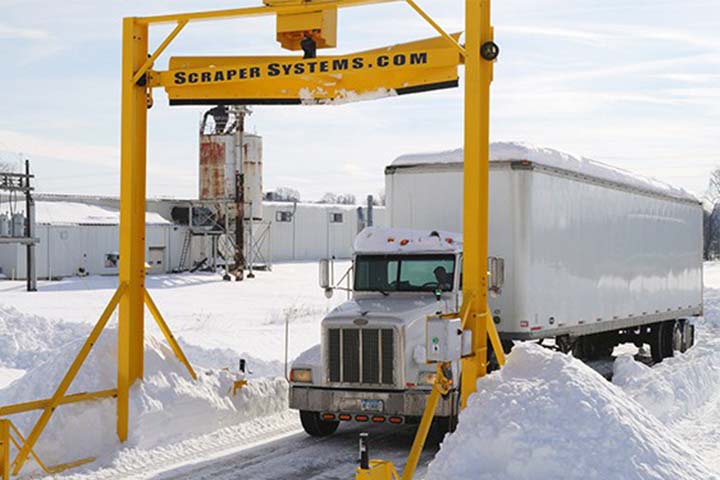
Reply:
x=635, y=84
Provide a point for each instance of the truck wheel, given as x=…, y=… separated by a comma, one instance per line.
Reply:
x=688, y=335
x=668, y=338
x=316, y=426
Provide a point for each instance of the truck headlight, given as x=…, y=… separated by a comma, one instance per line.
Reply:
x=426, y=378
x=301, y=375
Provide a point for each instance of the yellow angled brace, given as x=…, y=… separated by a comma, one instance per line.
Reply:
x=149, y=62
x=41, y=404
x=495, y=340
x=67, y=379
x=168, y=334
x=437, y=27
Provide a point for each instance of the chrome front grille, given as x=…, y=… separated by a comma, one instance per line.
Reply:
x=361, y=355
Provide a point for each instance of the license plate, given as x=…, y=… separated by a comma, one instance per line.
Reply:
x=371, y=405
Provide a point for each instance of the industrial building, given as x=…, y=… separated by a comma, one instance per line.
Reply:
x=78, y=235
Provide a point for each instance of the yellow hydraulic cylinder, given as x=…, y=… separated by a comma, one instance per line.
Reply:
x=132, y=216
x=478, y=76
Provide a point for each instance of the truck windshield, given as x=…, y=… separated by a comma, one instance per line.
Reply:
x=410, y=273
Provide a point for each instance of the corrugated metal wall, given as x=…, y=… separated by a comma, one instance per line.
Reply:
x=314, y=231
x=65, y=249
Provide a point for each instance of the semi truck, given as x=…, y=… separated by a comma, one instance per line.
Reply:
x=581, y=255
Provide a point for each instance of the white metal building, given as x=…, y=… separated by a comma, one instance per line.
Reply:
x=79, y=239
x=308, y=231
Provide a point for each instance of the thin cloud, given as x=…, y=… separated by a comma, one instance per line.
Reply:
x=582, y=35
x=8, y=32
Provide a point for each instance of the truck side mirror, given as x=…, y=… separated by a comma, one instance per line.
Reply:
x=324, y=273
x=496, y=271
x=324, y=277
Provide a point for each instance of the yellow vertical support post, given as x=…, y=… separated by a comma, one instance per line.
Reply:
x=478, y=76
x=132, y=216
x=4, y=449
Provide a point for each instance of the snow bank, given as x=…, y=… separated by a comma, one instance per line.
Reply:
x=167, y=407
x=26, y=339
x=505, y=151
x=547, y=415
x=677, y=386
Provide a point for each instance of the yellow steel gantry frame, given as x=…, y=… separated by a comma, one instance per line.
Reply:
x=132, y=296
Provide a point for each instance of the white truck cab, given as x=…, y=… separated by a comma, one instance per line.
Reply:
x=371, y=363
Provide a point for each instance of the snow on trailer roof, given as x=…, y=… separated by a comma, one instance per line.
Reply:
x=400, y=240
x=71, y=213
x=515, y=151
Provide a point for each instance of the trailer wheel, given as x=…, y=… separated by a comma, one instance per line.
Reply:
x=316, y=426
x=688, y=335
x=662, y=340
x=679, y=336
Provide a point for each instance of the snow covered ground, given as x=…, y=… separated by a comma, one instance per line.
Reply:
x=545, y=415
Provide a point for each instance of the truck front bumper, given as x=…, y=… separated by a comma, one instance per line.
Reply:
x=403, y=403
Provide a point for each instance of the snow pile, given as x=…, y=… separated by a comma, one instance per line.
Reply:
x=397, y=240
x=26, y=339
x=547, y=415
x=508, y=151
x=677, y=386
x=167, y=407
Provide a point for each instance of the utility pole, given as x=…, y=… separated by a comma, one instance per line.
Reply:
x=31, y=271
x=240, y=264
x=239, y=233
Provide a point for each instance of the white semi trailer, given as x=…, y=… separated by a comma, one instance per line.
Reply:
x=582, y=253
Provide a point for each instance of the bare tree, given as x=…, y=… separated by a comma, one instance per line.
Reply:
x=379, y=199
x=283, y=194
x=713, y=191
x=711, y=225
x=328, y=198
x=338, y=198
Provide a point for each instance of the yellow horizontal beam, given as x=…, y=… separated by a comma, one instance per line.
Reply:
x=41, y=404
x=255, y=11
